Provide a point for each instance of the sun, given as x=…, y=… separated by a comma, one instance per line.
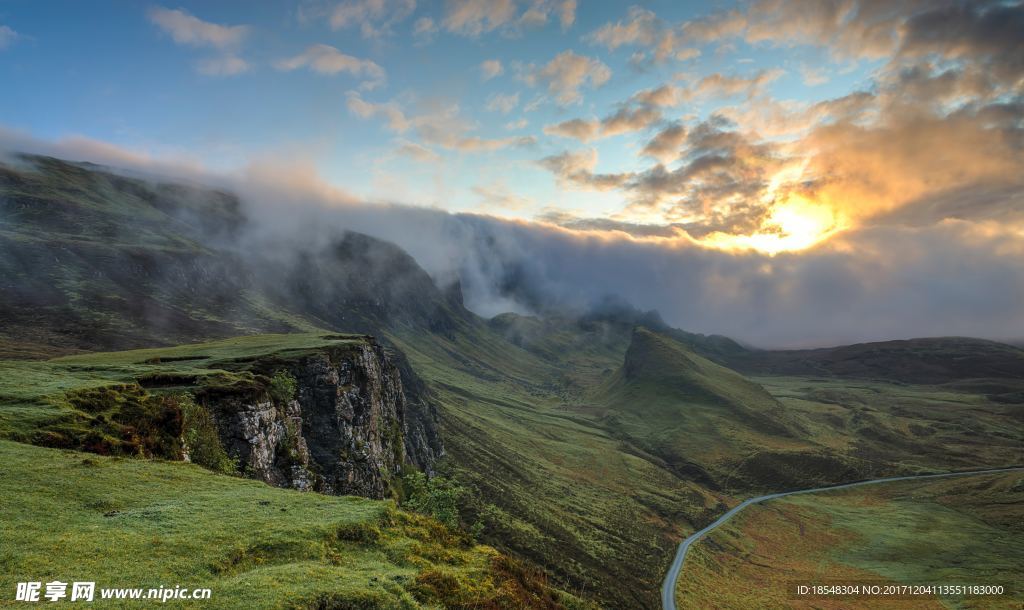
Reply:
x=794, y=224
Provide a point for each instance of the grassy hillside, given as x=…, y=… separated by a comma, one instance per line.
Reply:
x=952, y=531
x=553, y=484
x=137, y=523
x=707, y=422
x=886, y=427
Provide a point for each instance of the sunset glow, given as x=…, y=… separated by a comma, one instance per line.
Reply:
x=715, y=140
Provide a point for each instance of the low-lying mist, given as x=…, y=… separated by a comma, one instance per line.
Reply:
x=954, y=277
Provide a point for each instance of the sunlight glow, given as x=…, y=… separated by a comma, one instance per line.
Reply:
x=795, y=224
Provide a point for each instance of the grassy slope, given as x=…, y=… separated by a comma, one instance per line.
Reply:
x=138, y=523
x=886, y=427
x=558, y=487
x=690, y=410
x=953, y=531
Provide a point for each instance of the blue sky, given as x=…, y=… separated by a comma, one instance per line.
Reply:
x=705, y=120
x=111, y=72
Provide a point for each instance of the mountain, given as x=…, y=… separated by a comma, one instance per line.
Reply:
x=583, y=443
x=94, y=260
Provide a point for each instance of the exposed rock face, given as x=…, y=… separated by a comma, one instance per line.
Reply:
x=348, y=430
x=266, y=440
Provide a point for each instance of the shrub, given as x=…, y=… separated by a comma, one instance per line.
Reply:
x=282, y=387
x=201, y=439
x=437, y=497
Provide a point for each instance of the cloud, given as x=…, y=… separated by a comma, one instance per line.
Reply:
x=985, y=33
x=848, y=29
x=374, y=18
x=227, y=65
x=905, y=150
x=624, y=120
x=394, y=117
x=441, y=125
x=417, y=152
x=813, y=76
x=875, y=283
x=667, y=145
x=723, y=85
x=424, y=29
x=567, y=13
x=7, y=36
x=490, y=68
x=566, y=74
x=713, y=27
x=858, y=29
x=576, y=169
x=502, y=103
x=664, y=96
x=641, y=28
x=583, y=130
x=190, y=30
x=81, y=148
x=517, y=124
x=497, y=197
x=722, y=182
x=325, y=59
x=688, y=53
x=478, y=144
x=539, y=11
x=713, y=85
x=475, y=17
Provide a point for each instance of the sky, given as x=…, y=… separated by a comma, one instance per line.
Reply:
x=796, y=172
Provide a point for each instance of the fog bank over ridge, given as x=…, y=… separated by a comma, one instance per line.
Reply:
x=884, y=281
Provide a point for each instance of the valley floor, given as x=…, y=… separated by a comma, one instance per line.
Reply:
x=956, y=531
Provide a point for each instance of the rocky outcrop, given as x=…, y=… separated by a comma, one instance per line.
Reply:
x=347, y=428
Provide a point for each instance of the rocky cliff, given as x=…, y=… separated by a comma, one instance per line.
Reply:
x=337, y=420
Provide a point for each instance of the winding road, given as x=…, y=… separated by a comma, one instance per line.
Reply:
x=668, y=588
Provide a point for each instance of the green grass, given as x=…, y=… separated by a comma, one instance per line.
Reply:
x=686, y=407
x=139, y=523
x=885, y=427
x=952, y=531
x=557, y=486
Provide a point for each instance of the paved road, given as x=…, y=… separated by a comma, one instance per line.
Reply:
x=668, y=588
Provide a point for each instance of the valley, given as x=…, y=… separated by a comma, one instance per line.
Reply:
x=951, y=531
x=583, y=444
